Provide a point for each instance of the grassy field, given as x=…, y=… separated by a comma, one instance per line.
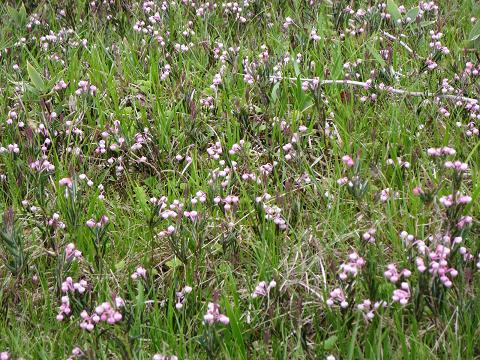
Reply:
x=286, y=179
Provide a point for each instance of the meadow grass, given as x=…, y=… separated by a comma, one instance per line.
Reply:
x=177, y=182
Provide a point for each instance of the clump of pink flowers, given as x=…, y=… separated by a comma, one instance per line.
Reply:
x=458, y=166
x=263, y=288
x=64, y=309
x=369, y=236
x=368, y=309
x=213, y=315
x=215, y=150
x=439, y=265
x=71, y=253
x=402, y=295
x=393, y=275
x=348, y=161
x=181, y=297
x=91, y=223
x=435, y=152
x=55, y=222
x=69, y=286
x=60, y=85
x=337, y=296
x=139, y=272
x=351, y=268
x=164, y=357
x=458, y=199
x=85, y=87
x=104, y=312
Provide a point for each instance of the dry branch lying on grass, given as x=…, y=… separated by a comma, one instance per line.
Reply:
x=387, y=89
x=391, y=37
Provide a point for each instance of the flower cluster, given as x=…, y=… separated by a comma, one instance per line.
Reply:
x=104, y=312
x=393, y=275
x=69, y=286
x=337, y=296
x=351, y=268
x=91, y=223
x=181, y=297
x=263, y=288
x=71, y=253
x=85, y=87
x=139, y=272
x=213, y=315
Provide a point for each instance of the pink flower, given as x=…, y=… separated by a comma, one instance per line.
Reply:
x=76, y=353
x=119, y=302
x=65, y=182
x=139, y=272
x=417, y=191
x=69, y=286
x=213, y=315
x=101, y=223
x=351, y=268
x=164, y=357
x=393, y=275
x=435, y=152
x=105, y=312
x=337, y=296
x=181, y=297
x=342, y=181
x=464, y=221
x=402, y=295
x=71, y=253
x=64, y=309
x=439, y=265
x=368, y=309
x=420, y=264
x=90, y=223
x=458, y=166
x=263, y=289
x=369, y=236
x=348, y=161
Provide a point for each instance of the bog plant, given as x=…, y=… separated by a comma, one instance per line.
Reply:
x=257, y=179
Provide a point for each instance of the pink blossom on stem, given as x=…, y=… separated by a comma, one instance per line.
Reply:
x=139, y=272
x=213, y=315
x=164, y=357
x=337, y=296
x=263, y=289
x=351, y=268
x=402, y=295
x=347, y=160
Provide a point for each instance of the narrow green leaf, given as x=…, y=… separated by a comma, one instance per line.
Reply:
x=475, y=32
x=296, y=68
x=236, y=332
x=172, y=264
x=412, y=14
x=274, y=92
x=141, y=198
x=376, y=56
x=22, y=15
x=120, y=265
x=330, y=342
x=353, y=341
x=35, y=78
x=393, y=10
x=139, y=306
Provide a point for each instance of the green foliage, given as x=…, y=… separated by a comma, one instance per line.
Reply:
x=222, y=253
